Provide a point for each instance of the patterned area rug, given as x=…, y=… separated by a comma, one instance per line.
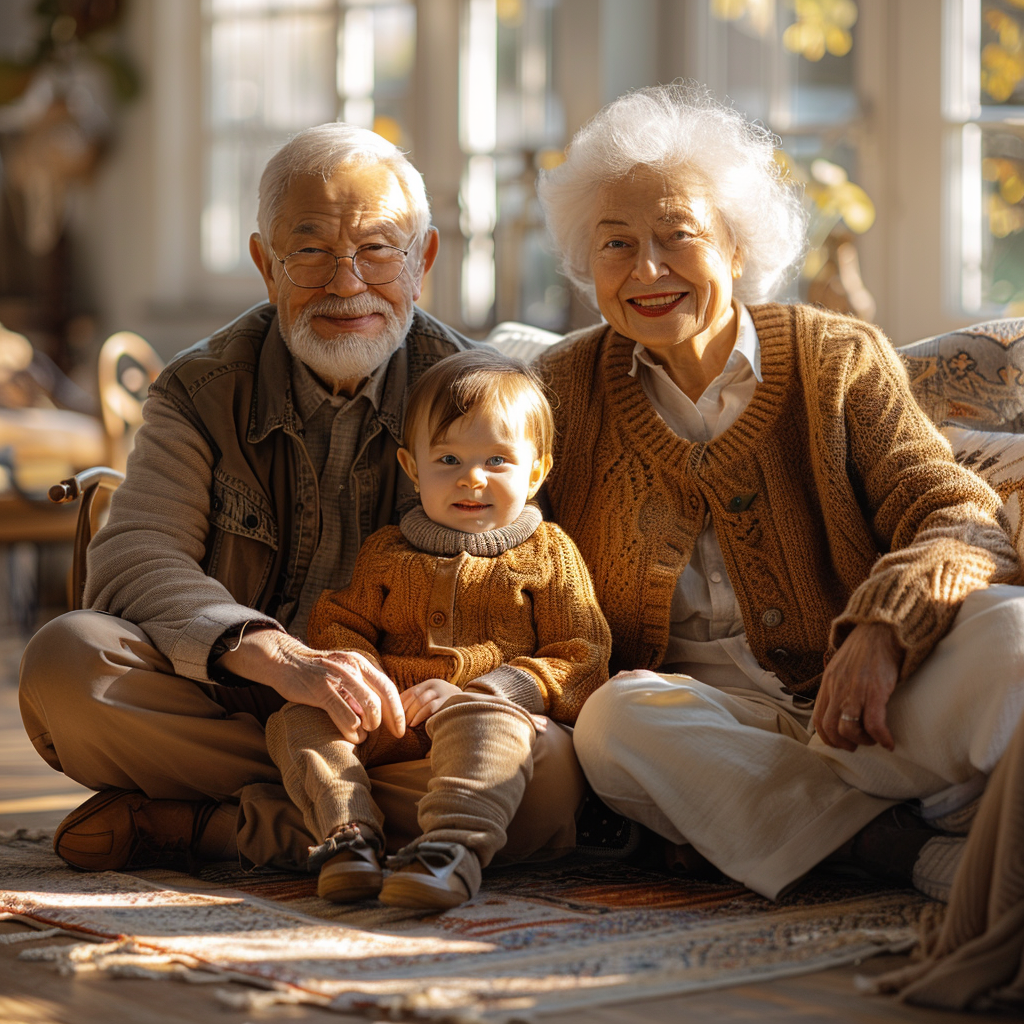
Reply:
x=551, y=937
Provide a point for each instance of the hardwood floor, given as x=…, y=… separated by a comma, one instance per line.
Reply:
x=33, y=795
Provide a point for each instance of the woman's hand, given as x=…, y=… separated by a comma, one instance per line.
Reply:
x=425, y=699
x=357, y=695
x=850, y=709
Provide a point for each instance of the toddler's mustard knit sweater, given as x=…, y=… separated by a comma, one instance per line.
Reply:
x=833, y=497
x=521, y=622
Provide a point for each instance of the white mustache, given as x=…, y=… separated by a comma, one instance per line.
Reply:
x=355, y=305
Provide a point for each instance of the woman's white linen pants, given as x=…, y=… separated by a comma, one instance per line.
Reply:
x=102, y=705
x=740, y=776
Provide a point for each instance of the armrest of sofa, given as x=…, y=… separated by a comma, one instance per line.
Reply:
x=972, y=378
x=971, y=383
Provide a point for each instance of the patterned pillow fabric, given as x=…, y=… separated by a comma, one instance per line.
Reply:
x=998, y=459
x=973, y=377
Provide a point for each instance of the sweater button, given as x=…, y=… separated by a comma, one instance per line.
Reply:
x=252, y=521
x=438, y=619
x=780, y=654
x=772, y=617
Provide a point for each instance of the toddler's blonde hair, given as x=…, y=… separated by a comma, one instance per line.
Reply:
x=480, y=379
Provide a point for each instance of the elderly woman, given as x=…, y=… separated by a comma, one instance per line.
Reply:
x=799, y=579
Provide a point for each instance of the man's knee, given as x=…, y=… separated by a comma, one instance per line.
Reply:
x=67, y=667
x=70, y=648
x=59, y=658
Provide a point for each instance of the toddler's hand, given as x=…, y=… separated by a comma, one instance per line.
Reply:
x=425, y=699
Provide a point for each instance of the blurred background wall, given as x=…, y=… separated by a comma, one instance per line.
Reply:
x=898, y=113
x=133, y=134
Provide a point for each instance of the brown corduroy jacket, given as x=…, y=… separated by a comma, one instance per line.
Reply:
x=833, y=497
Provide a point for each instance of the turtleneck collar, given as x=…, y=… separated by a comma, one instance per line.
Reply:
x=426, y=535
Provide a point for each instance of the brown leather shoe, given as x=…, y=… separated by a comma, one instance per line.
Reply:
x=120, y=828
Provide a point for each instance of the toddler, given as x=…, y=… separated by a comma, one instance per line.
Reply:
x=483, y=615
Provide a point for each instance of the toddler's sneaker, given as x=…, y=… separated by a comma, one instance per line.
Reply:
x=431, y=876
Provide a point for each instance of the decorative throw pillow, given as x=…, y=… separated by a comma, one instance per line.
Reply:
x=999, y=460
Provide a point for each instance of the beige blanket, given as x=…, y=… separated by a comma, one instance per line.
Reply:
x=972, y=957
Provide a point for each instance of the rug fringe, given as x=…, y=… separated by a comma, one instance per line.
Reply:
x=26, y=835
x=246, y=1000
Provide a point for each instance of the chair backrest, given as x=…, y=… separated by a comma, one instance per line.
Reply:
x=128, y=364
x=84, y=487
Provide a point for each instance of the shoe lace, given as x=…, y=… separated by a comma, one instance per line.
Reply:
x=429, y=854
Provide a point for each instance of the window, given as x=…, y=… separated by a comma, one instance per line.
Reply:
x=510, y=124
x=791, y=66
x=273, y=67
x=984, y=109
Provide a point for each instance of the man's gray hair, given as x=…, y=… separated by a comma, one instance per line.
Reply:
x=681, y=130
x=321, y=151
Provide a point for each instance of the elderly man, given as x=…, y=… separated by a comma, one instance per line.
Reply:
x=266, y=456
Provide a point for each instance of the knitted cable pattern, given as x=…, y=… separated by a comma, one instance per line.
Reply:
x=527, y=619
x=834, y=498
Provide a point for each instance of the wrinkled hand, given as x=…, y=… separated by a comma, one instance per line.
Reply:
x=357, y=695
x=425, y=699
x=850, y=709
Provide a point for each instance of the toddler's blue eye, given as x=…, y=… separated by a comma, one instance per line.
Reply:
x=496, y=460
x=449, y=460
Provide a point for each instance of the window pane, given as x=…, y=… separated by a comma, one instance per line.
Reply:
x=791, y=69
x=276, y=71
x=1002, y=53
x=233, y=7
x=1002, y=221
x=274, y=67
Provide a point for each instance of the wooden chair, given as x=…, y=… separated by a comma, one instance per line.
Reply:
x=127, y=366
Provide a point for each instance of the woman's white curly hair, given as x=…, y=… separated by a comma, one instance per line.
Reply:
x=682, y=130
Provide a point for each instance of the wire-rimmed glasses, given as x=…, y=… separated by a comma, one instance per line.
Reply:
x=374, y=263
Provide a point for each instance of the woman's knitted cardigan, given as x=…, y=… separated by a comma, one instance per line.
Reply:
x=833, y=497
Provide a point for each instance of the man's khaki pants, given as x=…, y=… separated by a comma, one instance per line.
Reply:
x=742, y=777
x=103, y=706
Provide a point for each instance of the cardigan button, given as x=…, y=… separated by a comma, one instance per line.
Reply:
x=780, y=654
x=772, y=617
x=252, y=521
x=438, y=619
x=741, y=502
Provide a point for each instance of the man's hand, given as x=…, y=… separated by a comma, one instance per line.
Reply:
x=357, y=695
x=850, y=709
x=425, y=699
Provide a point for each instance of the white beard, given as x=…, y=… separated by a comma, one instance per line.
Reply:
x=351, y=357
